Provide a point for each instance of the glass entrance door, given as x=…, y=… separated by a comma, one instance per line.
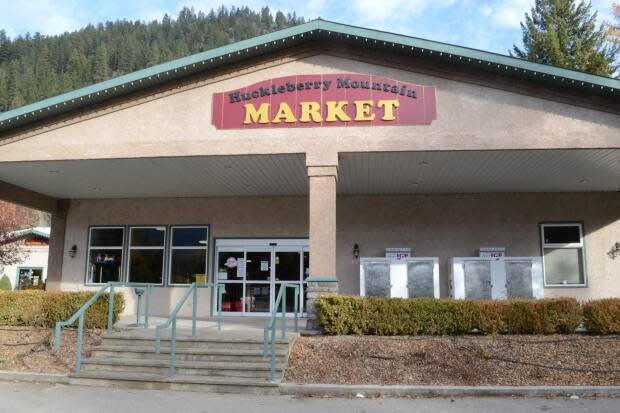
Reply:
x=252, y=272
x=258, y=277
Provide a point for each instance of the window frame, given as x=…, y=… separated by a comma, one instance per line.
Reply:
x=171, y=248
x=23, y=267
x=572, y=245
x=163, y=248
x=123, y=249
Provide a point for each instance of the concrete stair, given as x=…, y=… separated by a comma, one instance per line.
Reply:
x=216, y=363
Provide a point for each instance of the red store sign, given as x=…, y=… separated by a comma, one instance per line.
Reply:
x=325, y=100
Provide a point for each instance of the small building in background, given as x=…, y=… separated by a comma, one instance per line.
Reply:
x=31, y=272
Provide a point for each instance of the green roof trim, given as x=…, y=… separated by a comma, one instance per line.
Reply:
x=213, y=58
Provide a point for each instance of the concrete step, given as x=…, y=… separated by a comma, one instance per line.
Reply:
x=189, y=354
x=184, y=368
x=194, y=342
x=147, y=381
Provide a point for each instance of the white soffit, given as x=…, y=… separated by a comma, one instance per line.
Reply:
x=162, y=177
x=359, y=173
x=479, y=171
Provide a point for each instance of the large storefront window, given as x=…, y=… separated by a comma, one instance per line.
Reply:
x=188, y=255
x=105, y=255
x=563, y=254
x=146, y=254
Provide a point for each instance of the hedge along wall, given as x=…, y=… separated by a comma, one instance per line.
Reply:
x=337, y=314
x=44, y=308
x=602, y=316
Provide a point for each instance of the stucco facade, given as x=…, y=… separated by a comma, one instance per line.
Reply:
x=439, y=225
x=504, y=154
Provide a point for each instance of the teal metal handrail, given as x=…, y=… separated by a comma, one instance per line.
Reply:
x=79, y=315
x=172, y=320
x=280, y=301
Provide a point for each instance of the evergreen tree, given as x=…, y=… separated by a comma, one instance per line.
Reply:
x=613, y=34
x=38, y=66
x=564, y=33
x=45, y=82
x=4, y=47
x=100, y=64
x=5, y=283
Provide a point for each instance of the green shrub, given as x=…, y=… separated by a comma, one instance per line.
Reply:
x=491, y=317
x=45, y=308
x=602, y=316
x=545, y=316
x=5, y=284
x=338, y=314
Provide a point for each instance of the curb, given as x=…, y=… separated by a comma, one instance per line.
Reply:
x=335, y=390
x=34, y=377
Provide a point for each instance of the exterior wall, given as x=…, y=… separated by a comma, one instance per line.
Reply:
x=470, y=116
x=432, y=225
x=37, y=258
x=457, y=225
x=227, y=217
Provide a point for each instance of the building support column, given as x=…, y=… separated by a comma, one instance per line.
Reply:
x=322, y=279
x=56, y=253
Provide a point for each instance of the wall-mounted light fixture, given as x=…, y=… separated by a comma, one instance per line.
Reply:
x=356, y=251
x=73, y=251
x=615, y=251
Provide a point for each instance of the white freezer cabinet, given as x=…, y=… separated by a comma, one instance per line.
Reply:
x=403, y=278
x=496, y=278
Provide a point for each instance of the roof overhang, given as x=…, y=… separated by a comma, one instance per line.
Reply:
x=295, y=36
x=375, y=173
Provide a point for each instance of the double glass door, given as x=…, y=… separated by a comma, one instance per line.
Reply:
x=252, y=272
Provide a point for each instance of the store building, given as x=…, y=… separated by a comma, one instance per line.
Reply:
x=300, y=152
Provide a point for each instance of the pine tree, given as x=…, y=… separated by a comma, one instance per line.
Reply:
x=100, y=64
x=4, y=47
x=39, y=66
x=45, y=82
x=5, y=283
x=564, y=33
x=613, y=34
x=75, y=76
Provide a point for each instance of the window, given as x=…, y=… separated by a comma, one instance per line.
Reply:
x=29, y=278
x=563, y=254
x=146, y=254
x=105, y=254
x=188, y=255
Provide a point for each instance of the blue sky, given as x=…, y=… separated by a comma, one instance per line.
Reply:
x=483, y=24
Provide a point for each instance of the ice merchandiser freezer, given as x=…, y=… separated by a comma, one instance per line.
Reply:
x=403, y=278
x=496, y=278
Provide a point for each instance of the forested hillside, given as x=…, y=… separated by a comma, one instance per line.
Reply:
x=34, y=67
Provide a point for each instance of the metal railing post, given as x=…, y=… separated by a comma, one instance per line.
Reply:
x=283, y=310
x=57, y=336
x=265, y=338
x=111, y=309
x=138, y=305
x=297, y=291
x=220, y=292
x=149, y=290
x=194, y=308
x=78, y=356
x=157, y=340
x=173, y=347
x=273, y=354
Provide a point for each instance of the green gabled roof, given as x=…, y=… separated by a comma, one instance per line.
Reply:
x=281, y=39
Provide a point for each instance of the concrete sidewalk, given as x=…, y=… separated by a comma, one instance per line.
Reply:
x=29, y=398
